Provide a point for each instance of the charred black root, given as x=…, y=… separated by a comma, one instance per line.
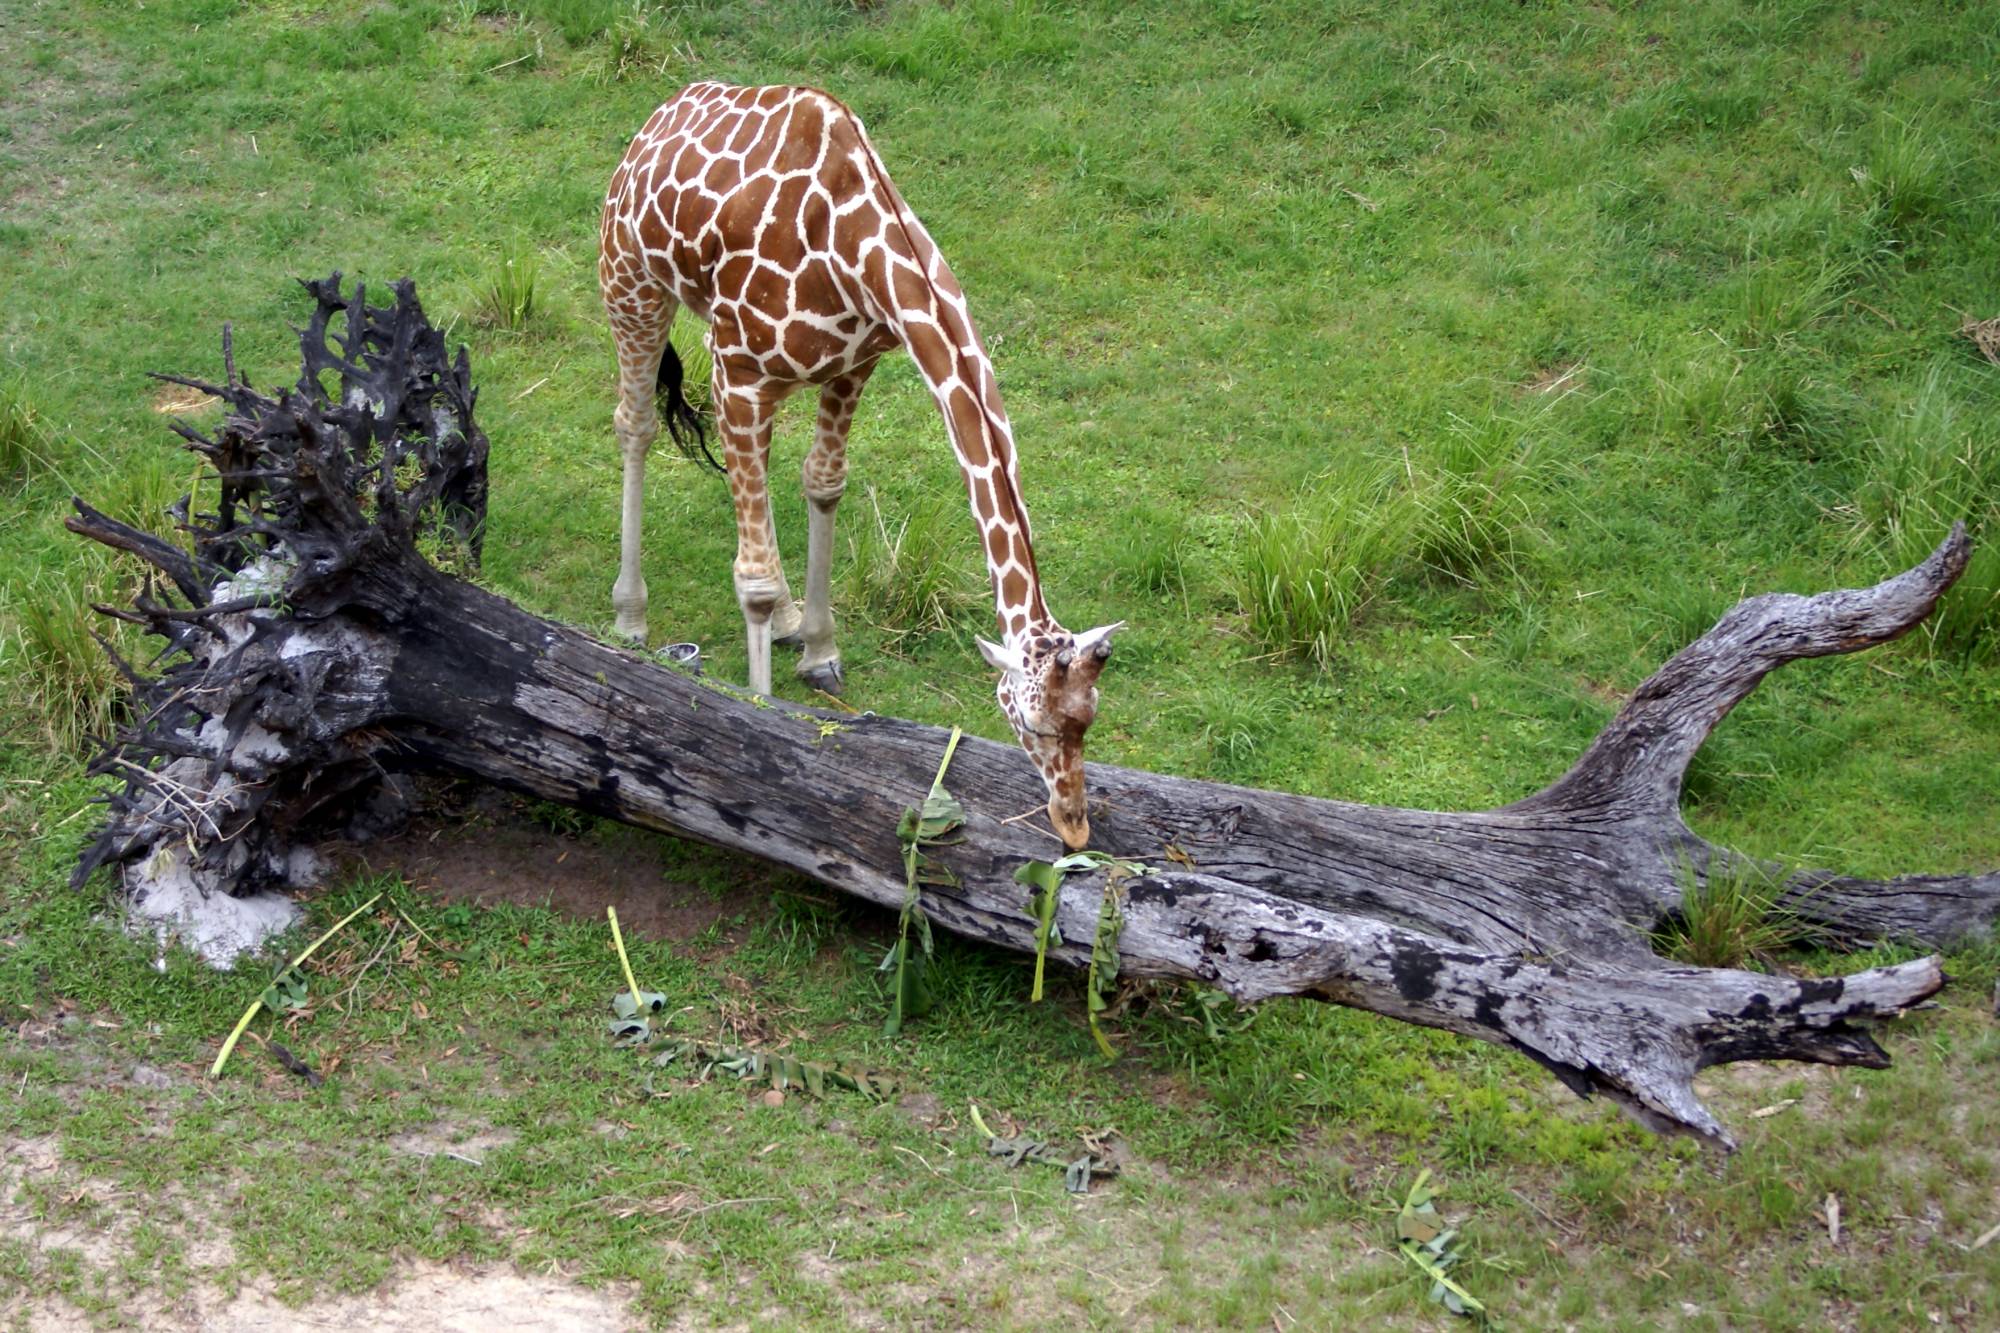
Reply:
x=397, y=419
x=223, y=781
x=684, y=425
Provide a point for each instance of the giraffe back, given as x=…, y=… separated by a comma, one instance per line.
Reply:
x=754, y=208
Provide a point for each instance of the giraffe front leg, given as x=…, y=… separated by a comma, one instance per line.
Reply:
x=787, y=619
x=825, y=477
x=757, y=593
x=743, y=415
x=819, y=664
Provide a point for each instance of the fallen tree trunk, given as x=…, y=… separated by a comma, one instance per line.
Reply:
x=320, y=652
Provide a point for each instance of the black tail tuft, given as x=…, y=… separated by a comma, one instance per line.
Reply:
x=684, y=424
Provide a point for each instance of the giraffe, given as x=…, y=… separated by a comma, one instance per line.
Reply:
x=766, y=213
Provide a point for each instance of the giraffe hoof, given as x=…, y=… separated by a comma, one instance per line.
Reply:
x=826, y=676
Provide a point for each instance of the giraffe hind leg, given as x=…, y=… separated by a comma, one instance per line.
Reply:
x=639, y=335
x=825, y=476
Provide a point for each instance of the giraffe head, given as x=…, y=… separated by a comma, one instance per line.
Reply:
x=1048, y=690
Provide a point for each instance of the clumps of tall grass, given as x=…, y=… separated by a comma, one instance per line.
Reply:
x=57, y=672
x=1770, y=387
x=25, y=447
x=510, y=296
x=1472, y=500
x=145, y=488
x=1733, y=915
x=1311, y=567
x=1930, y=465
x=1735, y=399
x=639, y=43
x=910, y=575
x=1776, y=299
x=579, y=21
x=1460, y=509
x=1905, y=174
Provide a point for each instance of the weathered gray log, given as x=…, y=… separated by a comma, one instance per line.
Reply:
x=1526, y=926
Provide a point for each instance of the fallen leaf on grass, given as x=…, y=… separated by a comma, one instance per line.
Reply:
x=782, y=1072
x=1424, y=1240
x=1077, y=1171
x=634, y=1013
x=1766, y=1112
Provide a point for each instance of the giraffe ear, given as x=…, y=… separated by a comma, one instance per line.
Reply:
x=1097, y=642
x=998, y=656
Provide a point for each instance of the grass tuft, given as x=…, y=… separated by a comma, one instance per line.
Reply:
x=60, y=673
x=1906, y=174
x=637, y=45
x=1731, y=917
x=24, y=439
x=579, y=21
x=910, y=577
x=1311, y=567
x=1930, y=467
x=1473, y=498
x=1775, y=299
x=509, y=298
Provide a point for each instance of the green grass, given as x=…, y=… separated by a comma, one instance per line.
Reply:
x=1414, y=380
x=1906, y=173
x=907, y=573
x=508, y=300
x=1933, y=463
x=25, y=448
x=69, y=689
x=1731, y=917
x=1312, y=566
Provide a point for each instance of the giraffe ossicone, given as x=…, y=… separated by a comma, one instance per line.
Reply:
x=767, y=214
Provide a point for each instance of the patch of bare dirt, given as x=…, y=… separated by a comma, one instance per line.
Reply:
x=180, y=400
x=48, y=1209
x=494, y=855
x=470, y=1143
x=422, y=1297
x=1752, y=1090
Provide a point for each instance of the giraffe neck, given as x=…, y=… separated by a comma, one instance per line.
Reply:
x=920, y=298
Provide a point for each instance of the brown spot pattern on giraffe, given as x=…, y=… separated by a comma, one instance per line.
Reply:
x=767, y=212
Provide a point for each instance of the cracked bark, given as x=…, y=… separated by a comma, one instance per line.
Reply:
x=1527, y=926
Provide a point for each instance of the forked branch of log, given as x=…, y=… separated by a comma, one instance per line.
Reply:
x=319, y=651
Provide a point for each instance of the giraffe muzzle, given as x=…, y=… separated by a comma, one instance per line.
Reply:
x=1072, y=822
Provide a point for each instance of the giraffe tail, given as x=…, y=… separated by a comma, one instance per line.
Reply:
x=684, y=424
